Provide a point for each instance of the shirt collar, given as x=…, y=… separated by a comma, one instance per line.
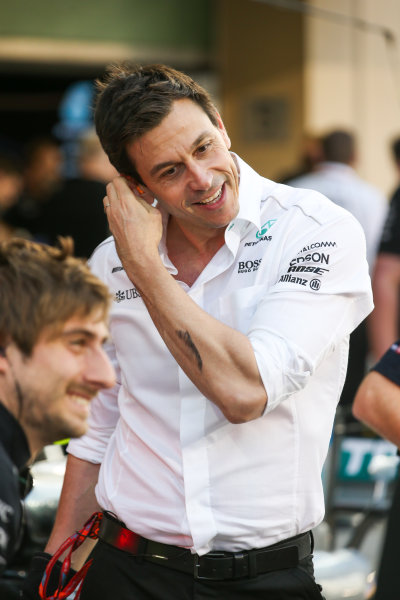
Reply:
x=250, y=193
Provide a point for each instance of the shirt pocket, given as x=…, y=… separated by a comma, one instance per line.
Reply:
x=237, y=308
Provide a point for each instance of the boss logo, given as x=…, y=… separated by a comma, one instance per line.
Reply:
x=249, y=265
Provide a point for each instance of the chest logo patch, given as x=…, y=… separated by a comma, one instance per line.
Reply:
x=266, y=227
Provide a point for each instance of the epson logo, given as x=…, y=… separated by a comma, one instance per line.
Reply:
x=316, y=257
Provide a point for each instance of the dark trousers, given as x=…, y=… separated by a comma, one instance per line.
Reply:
x=115, y=574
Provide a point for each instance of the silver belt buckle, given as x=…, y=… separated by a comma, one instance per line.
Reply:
x=197, y=565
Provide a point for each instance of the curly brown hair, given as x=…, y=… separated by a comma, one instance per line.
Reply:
x=42, y=287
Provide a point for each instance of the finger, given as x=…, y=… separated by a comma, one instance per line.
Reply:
x=106, y=203
x=124, y=189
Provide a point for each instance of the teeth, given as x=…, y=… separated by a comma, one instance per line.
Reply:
x=81, y=401
x=213, y=198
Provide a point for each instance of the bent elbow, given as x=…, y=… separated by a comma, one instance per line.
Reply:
x=238, y=411
x=363, y=407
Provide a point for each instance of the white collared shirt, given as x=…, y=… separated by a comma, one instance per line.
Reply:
x=292, y=276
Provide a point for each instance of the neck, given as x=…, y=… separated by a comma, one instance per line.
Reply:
x=33, y=436
x=34, y=442
x=191, y=252
x=203, y=242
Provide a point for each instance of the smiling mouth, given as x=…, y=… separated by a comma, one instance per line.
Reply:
x=80, y=400
x=213, y=198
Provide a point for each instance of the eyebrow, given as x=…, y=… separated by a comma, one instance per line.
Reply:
x=169, y=163
x=84, y=332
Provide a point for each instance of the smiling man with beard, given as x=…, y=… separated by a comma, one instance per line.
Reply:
x=53, y=324
x=208, y=454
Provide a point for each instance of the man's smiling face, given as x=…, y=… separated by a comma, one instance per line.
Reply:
x=185, y=163
x=55, y=384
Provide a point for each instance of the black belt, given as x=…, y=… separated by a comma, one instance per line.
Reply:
x=215, y=565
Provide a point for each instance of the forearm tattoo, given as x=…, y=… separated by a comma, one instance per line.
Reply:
x=185, y=336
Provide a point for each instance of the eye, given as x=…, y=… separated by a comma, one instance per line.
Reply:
x=203, y=148
x=78, y=344
x=169, y=172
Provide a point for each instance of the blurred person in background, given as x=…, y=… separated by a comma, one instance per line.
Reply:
x=336, y=178
x=377, y=404
x=383, y=323
x=42, y=176
x=310, y=157
x=76, y=209
x=11, y=184
x=93, y=162
x=378, y=400
x=53, y=323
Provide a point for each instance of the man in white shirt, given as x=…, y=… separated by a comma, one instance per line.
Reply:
x=234, y=299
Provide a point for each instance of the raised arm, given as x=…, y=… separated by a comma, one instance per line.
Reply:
x=377, y=404
x=383, y=322
x=220, y=360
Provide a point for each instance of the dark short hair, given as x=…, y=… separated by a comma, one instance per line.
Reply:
x=396, y=149
x=132, y=100
x=338, y=146
x=41, y=287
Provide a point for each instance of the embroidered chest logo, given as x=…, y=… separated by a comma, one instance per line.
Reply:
x=249, y=266
x=266, y=227
x=121, y=295
x=261, y=234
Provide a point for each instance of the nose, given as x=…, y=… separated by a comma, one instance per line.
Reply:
x=200, y=176
x=99, y=371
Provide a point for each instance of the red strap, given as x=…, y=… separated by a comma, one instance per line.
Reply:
x=89, y=530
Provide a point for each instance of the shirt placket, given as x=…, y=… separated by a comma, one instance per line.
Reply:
x=195, y=458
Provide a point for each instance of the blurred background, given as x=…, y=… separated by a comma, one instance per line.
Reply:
x=280, y=71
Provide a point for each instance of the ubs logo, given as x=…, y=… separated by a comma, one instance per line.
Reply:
x=121, y=295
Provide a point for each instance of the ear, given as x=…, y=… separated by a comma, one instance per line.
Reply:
x=139, y=189
x=4, y=366
x=223, y=131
